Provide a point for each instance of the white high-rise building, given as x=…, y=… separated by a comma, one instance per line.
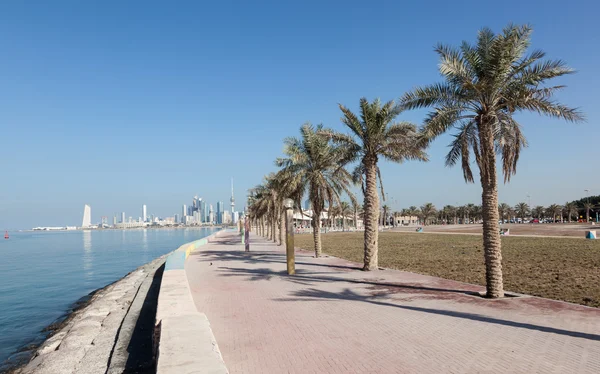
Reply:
x=122, y=217
x=87, y=216
x=184, y=211
x=144, y=213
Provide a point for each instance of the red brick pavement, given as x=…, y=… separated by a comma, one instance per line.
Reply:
x=333, y=318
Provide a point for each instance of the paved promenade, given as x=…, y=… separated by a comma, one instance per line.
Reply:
x=332, y=318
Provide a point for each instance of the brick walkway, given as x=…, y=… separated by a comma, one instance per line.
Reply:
x=333, y=318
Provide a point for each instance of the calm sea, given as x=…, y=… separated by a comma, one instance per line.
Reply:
x=43, y=273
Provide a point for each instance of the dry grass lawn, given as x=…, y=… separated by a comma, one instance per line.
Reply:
x=562, y=269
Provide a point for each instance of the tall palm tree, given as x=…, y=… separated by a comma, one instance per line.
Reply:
x=555, y=210
x=485, y=85
x=503, y=210
x=386, y=211
x=315, y=164
x=522, y=210
x=374, y=135
x=357, y=208
x=587, y=206
x=571, y=209
x=477, y=213
x=265, y=207
x=538, y=212
x=470, y=209
x=413, y=211
x=450, y=211
x=427, y=211
x=345, y=210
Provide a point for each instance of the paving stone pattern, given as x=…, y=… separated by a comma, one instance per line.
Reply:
x=333, y=318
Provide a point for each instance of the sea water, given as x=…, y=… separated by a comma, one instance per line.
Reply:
x=43, y=273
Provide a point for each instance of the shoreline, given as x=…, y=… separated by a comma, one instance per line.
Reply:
x=25, y=354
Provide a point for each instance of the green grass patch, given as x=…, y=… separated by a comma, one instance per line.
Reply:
x=562, y=269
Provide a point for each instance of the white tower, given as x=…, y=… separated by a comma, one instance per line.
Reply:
x=144, y=213
x=87, y=216
x=232, y=199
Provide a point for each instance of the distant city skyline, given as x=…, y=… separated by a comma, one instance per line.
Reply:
x=90, y=118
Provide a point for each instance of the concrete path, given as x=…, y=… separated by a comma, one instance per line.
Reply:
x=333, y=318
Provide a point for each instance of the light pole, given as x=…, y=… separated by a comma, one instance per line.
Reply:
x=289, y=237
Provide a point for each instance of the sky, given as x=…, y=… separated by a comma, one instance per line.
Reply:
x=122, y=103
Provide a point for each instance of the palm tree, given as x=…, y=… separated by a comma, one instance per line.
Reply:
x=522, y=210
x=452, y=211
x=265, y=206
x=373, y=135
x=503, y=210
x=485, y=85
x=477, y=213
x=314, y=164
x=538, y=212
x=427, y=211
x=357, y=208
x=571, y=209
x=587, y=206
x=386, y=210
x=412, y=211
x=469, y=210
x=555, y=210
x=345, y=210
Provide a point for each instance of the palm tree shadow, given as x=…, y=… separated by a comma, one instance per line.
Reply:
x=264, y=257
x=312, y=278
x=314, y=294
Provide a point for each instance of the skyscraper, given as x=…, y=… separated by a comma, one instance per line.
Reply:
x=232, y=199
x=122, y=217
x=114, y=220
x=219, y=212
x=211, y=216
x=184, y=211
x=144, y=213
x=87, y=216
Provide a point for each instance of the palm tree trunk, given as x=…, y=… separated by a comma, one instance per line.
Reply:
x=274, y=227
x=371, y=216
x=282, y=219
x=587, y=215
x=355, y=220
x=489, y=200
x=317, y=232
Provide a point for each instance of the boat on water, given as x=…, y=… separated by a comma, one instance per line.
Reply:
x=6, y=235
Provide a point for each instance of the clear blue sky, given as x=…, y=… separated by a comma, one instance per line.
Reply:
x=122, y=103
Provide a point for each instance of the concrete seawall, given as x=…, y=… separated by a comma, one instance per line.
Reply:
x=112, y=334
x=184, y=341
x=144, y=323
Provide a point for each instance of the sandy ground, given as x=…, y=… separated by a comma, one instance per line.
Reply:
x=538, y=229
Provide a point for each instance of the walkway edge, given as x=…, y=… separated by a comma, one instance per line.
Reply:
x=184, y=341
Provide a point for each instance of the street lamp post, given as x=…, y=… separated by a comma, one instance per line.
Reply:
x=289, y=237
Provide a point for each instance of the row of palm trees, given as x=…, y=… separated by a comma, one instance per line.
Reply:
x=483, y=86
x=474, y=213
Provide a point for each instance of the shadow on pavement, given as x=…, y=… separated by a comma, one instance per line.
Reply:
x=312, y=277
x=347, y=294
x=264, y=257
